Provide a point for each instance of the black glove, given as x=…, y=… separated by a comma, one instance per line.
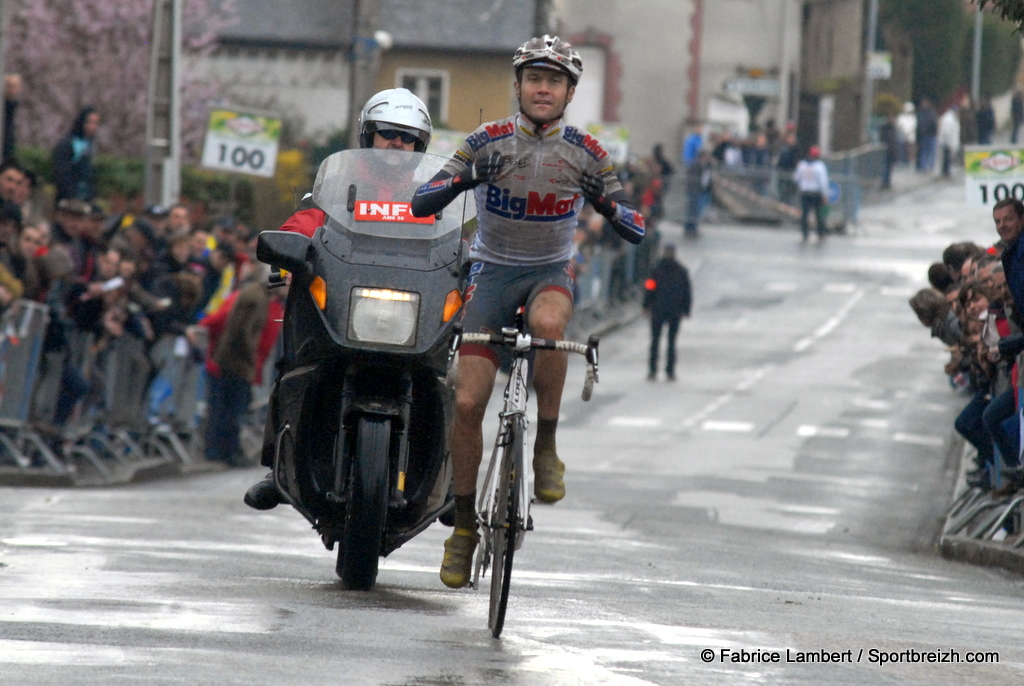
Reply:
x=480, y=172
x=593, y=191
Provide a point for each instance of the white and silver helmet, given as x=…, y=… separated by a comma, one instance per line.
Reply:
x=549, y=52
x=395, y=109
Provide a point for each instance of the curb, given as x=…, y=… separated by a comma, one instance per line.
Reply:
x=977, y=543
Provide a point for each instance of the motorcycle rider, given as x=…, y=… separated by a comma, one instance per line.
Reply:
x=530, y=174
x=394, y=119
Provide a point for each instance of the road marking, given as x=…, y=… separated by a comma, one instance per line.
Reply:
x=894, y=292
x=872, y=404
x=807, y=430
x=827, y=328
x=840, y=287
x=781, y=287
x=727, y=427
x=874, y=423
x=918, y=439
x=743, y=384
x=636, y=422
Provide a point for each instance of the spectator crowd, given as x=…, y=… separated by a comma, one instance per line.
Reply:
x=971, y=306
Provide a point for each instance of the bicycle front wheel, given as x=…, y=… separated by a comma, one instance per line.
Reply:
x=506, y=526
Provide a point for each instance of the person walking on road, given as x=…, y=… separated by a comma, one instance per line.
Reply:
x=811, y=178
x=667, y=299
x=889, y=135
x=927, y=134
x=949, y=138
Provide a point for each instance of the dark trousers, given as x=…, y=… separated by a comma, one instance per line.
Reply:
x=812, y=202
x=227, y=401
x=1000, y=409
x=970, y=424
x=73, y=387
x=657, y=324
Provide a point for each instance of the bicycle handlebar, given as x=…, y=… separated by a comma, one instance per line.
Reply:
x=520, y=342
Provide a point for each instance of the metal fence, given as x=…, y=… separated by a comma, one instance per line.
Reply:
x=768, y=194
x=109, y=438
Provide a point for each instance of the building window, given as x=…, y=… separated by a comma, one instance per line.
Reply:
x=430, y=86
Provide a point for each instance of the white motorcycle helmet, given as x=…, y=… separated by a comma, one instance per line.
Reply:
x=549, y=52
x=395, y=110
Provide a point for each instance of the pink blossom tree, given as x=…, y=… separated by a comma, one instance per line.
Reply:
x=77, y=53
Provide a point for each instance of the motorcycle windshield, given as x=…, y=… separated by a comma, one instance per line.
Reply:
x=370, y=192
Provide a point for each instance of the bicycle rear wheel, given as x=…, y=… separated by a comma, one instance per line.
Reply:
x=506, y=526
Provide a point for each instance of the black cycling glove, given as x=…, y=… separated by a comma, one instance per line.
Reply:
x=480, y=172
x=593, y=191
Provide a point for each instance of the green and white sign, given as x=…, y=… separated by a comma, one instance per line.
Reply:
x=241, y=141
x=993, y=173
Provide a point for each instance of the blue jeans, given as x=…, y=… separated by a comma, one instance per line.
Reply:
x=657, y=324
x=926, y=153
x=970, y=424
x=812, y=202
x=227, y=401
x=1000, y=409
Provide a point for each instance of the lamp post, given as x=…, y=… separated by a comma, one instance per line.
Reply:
x=163, y=115
x=869, y=84
x=976, y=64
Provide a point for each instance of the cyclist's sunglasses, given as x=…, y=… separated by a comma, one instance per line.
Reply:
x=392, y=134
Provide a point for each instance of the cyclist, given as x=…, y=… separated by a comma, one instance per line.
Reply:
x=393, y=119
x=530, y=174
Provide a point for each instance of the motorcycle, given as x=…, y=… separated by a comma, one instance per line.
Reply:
x=362, y=408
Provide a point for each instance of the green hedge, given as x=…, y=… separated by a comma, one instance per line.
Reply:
x=126, y=177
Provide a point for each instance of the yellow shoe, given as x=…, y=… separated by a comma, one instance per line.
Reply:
x=548, y=471
x=458, y=557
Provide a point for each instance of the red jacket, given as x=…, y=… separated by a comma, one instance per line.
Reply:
x=216, y=320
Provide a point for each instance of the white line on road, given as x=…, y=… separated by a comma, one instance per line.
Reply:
x=806, y=431
x=918, y=439
x=636, y=422
x=743, y=384
x=826, y=328
x=727, y=427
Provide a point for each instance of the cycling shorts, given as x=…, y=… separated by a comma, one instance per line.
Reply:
x=494, y=292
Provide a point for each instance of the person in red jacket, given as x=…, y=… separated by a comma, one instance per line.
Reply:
x=242, y=334
x=394, y=119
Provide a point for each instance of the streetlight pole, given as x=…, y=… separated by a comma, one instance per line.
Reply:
x=976, y=65
x=362, y=64
x=3, y=51
x=163, y=117
x=869, y=84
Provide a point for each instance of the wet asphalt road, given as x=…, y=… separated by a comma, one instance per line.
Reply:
x=781, y=499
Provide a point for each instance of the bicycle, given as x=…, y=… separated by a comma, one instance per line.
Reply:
x=503, y=509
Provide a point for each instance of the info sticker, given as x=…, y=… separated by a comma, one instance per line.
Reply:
x=379, y=211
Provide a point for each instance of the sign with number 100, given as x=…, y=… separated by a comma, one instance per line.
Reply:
x=993, y=174
x=241, y=142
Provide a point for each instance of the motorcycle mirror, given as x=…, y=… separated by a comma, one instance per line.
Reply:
x=283, y=249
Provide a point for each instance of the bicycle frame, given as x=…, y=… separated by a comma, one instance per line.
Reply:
x=504, y=503
x=516, y=398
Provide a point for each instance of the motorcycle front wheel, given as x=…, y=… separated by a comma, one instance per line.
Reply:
x=359, y=552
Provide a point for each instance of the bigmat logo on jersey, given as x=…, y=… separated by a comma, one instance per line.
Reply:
x=585, y=141
x=531, y=208
x=491, y=133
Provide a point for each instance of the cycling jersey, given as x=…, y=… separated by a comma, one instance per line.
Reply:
x=527, y=215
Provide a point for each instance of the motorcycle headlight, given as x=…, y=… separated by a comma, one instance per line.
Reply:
x=381, y=315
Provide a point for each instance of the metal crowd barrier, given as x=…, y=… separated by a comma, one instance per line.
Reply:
x=769, y=194
x=110, y=438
